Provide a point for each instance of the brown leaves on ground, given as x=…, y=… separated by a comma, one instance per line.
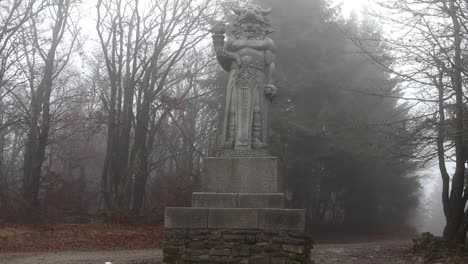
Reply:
x=79, y=237
x=433, y=249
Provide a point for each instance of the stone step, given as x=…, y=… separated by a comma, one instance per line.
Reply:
x=237, y=200
x=235, y=218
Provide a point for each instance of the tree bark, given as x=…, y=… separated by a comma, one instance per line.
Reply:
x=457, y=201
x=40, y=119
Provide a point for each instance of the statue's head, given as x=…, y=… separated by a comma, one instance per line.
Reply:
x=252, y=22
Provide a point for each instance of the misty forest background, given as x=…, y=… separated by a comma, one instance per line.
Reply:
x=110, y=116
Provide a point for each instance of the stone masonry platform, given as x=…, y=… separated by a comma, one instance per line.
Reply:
x=235, y=246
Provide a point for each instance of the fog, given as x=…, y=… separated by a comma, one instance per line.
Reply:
x=109, y=107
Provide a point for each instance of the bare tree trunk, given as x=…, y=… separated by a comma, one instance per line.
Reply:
x=40, y=118
x=142, y=155
x=455, y=230
x=120, y=53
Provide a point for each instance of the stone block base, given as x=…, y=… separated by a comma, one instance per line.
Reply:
x=237, y=200
x=242, y=153
x=236, y=246
x=235, y=218
x=240, y=175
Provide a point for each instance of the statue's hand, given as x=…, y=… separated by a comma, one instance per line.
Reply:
x=270, y=91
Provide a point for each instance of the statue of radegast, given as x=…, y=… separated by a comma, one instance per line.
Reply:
x=248, y=55
x=243, y=179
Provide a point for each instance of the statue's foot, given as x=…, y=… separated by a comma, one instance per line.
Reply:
x=257, y=144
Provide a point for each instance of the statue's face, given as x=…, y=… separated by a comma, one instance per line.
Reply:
x=252, y=30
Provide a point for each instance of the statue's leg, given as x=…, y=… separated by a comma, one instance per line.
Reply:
x=265, y=106
x=243, y=118
x=257, y=122
x=231, y=123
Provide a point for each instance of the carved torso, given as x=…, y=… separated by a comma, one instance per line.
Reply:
x=256, y=44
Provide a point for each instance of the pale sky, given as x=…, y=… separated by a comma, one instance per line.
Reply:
x=351, y=5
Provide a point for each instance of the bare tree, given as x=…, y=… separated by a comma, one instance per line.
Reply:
x=431, y=53
x=143, y=45
x=13, y=15
x=42, y=53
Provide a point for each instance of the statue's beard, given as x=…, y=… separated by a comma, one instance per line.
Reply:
x=251, y=35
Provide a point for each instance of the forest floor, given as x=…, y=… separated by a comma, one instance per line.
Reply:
x=124, y=244
x=85, y=237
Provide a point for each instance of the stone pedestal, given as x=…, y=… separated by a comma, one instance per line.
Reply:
x=238, y=200
x=241, y=174
x=237, y=217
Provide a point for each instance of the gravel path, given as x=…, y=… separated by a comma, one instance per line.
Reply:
x=82, y=257
x=381, y=252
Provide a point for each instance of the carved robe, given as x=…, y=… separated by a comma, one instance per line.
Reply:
x=246, y=108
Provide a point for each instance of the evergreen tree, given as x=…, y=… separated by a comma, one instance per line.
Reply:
x=339, y=125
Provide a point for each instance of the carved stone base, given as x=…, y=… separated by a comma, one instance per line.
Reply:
x=240, y=175
x=242, y=153
x=238, y=200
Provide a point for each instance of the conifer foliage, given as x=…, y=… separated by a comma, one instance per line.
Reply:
x=341, y=129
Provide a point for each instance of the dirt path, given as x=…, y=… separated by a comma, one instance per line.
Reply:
x=381, y=252
x=84, y=257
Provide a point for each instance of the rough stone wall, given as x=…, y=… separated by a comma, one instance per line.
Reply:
x=212, y=246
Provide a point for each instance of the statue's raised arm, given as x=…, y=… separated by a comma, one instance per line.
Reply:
x=248, y=55
x=224, y=57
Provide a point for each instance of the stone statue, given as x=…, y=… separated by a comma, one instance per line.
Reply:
x=248, y=56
